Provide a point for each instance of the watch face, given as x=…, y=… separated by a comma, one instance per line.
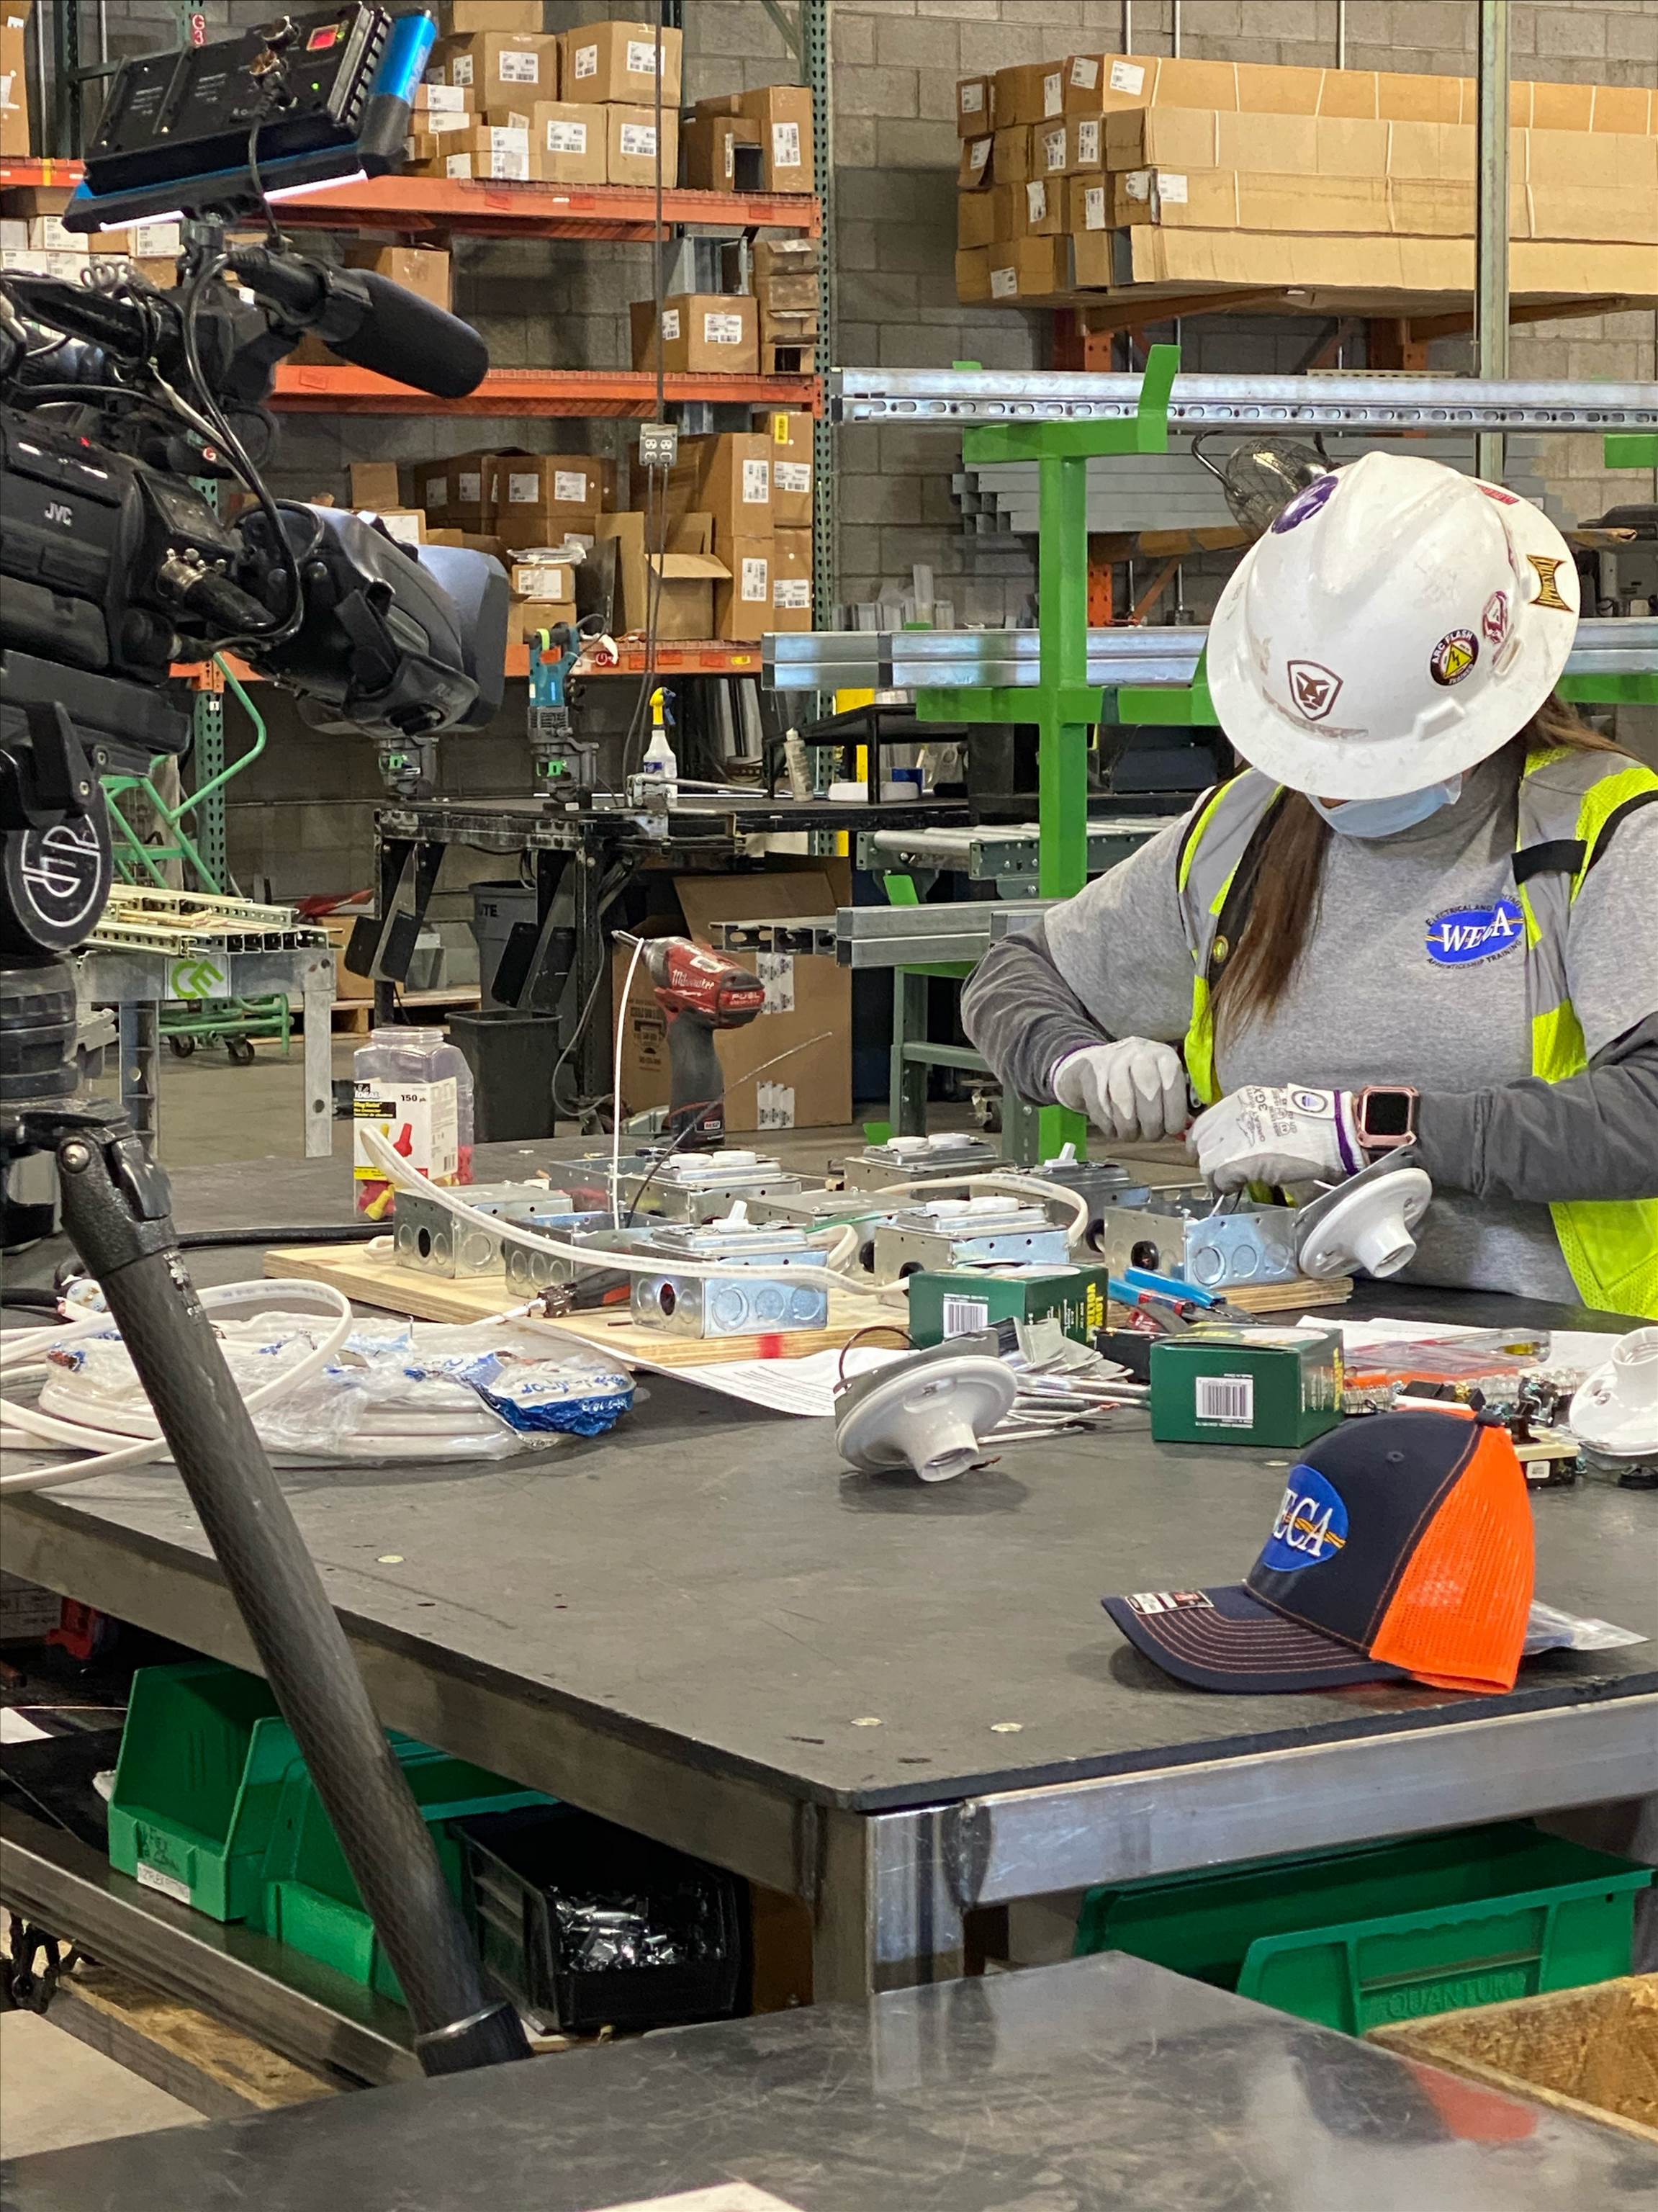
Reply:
x=1387, y=1114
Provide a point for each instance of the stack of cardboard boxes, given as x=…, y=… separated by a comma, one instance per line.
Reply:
x=36, y=244
x=505, y=100
x=751, y=142
x=788, y=299
x=1108, y=170
x=755, y=487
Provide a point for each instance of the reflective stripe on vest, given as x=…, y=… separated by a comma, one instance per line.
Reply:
x=1568, y=796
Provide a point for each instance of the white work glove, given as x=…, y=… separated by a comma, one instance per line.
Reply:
x=1259, y=1134
x=1132, y=1089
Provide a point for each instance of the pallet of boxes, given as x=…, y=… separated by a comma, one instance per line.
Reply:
x=505, y=101
x=1152, y=178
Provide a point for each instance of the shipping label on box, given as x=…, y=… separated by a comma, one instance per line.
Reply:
x=566, y=135
x=753, y=579
x=776, y=971
x=757, y=482
x=721, y=326
x=972, y=106
x=792, y=476
x=975, y=166
x=1086, y=142
x=1051, y=150
x=774, y=1105
x=786, y=152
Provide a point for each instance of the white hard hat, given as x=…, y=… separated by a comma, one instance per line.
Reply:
x=1397, y=624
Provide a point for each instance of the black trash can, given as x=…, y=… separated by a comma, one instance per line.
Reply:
x=512, y=1057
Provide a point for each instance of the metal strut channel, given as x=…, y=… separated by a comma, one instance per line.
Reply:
x=1357, y=402
x=1606, y=645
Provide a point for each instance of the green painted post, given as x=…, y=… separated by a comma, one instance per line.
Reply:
x=1062, y=586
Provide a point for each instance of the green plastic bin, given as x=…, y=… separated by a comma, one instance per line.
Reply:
x=309, y=1897
x=204, y=1755
x=1357, y=1939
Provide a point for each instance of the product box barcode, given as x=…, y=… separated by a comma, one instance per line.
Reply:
x=1227, y=1399
x=964, y=1317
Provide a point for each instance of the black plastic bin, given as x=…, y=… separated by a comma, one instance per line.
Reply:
x=512, y=1057
x=520, y=1863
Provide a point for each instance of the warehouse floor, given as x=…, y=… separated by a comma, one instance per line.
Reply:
x=59, y=2091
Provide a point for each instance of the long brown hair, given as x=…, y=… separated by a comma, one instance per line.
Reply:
x=1288, y=874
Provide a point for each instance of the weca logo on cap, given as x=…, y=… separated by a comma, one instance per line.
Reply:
x=1305, y=502
x=1311, y=1525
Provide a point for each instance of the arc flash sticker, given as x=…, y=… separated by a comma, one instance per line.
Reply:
x=1548, y=592
x=1311, y=1525
x=1494, y=622
x=1313, y=687
x=1454, y=656
x=1305, y=503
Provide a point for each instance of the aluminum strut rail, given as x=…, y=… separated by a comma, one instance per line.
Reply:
x=1200, y=403
x=828, y=660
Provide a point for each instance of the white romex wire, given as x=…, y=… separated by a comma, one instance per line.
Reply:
x=23, y=1355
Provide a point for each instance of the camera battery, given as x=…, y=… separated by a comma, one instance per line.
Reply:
x=1274, y=1388
x=964, y=1300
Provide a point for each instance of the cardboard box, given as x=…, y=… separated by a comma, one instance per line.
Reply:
x=528, y=616
x=486, y=150
x=1229, y=199
x=407, y=525
x=728, y=476
x=631, y=146
x=618, y=61
x=1044, y=207
x=1623, y=167
x=976, y=216
x=418, y=268
x=977, y=165
x=1095, y=84
x=14, y=132
x=1089, y=203
x=1581, y=271
x=444, y=98
x=1084, y=144
x=783, y=112
x=1402, y=99
x=973, y=106
x=1013, y=159
x=789, y=431
x=720, y=153
x=1029, y=91
x=575, y=485
x=700, y=332
x=808, y=1004
x=689, y=571
x=742, y=602
x=468, y=541
x=1049, y=149
x=542, y=580
x=1028, y=268
x=973, y=274
x=791, y=579
x=787, y=296
x=533, y=529
x=458, y=488
x=567, y=143
x=375, y=484
x=786, y=257
x=462, y=16
x=500, y=68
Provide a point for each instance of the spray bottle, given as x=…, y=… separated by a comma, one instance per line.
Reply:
x=660, y=761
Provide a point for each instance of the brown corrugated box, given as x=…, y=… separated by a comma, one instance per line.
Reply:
x=1027, y=268
x=1084, y=144
x=15, y=138
x=977, y=166
x=742, y=604
x=1028, y=92
x=983, y=217
x=457, y=489
x=375, y=484
x=1096, y=83
x=419, y=269
x=783, y=115
x=720, y=153
x=617, y=61
x=501, y=68
x=486, y=150
x=791, y=579
x=728, y=476
x=583, y=483
x=688, y=569
x=804, y=1027
x=1150, y=255
x=630, y=156
x=700, y=332
x=789, y=432
x=567, y=143
x=974, y=106
x=1012, y=161
x=528, y=616
x=1044, y=211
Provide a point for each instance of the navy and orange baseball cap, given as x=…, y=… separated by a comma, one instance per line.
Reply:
x=1402, y=1551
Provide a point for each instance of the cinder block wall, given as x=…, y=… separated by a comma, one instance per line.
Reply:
x=304, y=816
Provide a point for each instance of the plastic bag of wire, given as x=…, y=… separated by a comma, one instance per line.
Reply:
x=393, y=1392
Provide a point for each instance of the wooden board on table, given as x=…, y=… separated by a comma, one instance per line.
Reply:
x=1290, y=1297
x=375, y=1281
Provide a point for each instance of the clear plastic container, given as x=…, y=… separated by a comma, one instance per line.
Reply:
x=412, y=1060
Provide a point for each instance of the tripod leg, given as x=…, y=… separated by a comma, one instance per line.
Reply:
x=116, y=1205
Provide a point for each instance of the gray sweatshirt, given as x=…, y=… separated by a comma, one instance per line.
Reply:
x=1368, y=1003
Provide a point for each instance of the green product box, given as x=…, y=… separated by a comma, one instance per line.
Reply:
x=1276, y=1387
x=968, y=1298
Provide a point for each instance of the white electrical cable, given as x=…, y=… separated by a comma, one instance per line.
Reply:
x=28, y=1422
x=1026, y=1186
x=397, y=1171
x=616, y=1085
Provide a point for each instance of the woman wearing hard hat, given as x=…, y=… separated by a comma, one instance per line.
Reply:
x=1426, y=913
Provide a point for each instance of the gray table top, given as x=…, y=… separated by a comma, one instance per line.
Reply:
x=1105, y=2082
x=711, y=1580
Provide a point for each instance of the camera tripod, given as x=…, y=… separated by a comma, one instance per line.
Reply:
x=117, y=1211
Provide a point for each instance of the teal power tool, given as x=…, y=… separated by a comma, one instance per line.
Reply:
x=561, y=761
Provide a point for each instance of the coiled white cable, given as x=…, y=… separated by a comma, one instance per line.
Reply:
x=1025, y=1186
x=23, y=1354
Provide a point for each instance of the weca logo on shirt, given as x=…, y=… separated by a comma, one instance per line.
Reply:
x=1463, y=934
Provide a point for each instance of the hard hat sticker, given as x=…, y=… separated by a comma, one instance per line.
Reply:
x=1315, y=689
x=1494, y=622
x=1305, y=503
x=1548, y=592
x=1454, y=656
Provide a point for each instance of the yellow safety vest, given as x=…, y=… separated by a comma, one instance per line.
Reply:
x=1570, y=799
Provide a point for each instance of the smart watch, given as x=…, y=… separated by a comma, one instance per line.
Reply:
x=1384, y=1114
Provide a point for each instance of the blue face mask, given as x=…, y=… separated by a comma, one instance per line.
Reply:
x=1385, y=818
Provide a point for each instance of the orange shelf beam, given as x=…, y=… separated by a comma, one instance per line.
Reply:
x=417, y=205
x=699, y=656
x=631, y=394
